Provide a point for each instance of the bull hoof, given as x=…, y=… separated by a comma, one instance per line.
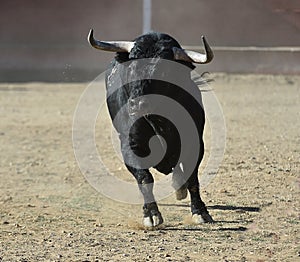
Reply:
x=153, y=221
x=181, y=193
x=203, y=218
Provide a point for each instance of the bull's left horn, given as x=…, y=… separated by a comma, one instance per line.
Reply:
x=112, y=46
x=192, y=56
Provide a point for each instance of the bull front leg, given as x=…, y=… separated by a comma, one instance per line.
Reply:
x=152, y=216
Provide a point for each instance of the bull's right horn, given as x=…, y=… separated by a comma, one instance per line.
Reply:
x=112, y=46
x=192, y=56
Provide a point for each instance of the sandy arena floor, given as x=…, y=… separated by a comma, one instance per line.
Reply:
x=48, y=212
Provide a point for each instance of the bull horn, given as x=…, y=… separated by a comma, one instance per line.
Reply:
x=194, y=57
x=112, y=46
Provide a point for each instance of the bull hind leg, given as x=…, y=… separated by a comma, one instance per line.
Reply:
x=179, y=183
x=199, y=211
x=152, y=216
x=182, y=185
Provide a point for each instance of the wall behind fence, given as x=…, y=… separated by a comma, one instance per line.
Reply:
x=46, y=40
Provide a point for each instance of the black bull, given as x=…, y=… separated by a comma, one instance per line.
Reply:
x=146, y=126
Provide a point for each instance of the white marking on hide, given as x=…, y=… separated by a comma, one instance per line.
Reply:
x=113, y=71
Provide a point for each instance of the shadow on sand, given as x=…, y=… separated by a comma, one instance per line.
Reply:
x=218, y=223
x=221, y=207
x=195, y=228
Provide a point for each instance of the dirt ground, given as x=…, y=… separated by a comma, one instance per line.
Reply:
x=48, y=212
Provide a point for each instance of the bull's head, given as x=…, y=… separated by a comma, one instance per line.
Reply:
x=178, y=53
x=153, y=46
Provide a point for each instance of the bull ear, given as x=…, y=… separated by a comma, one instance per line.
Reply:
x=112, y=46
x=192, y=56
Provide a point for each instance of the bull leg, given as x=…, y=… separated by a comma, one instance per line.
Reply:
x=178, y=183
x=199, y=211
x=152, y=216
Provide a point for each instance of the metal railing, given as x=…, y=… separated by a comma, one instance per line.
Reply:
x=246, y=48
